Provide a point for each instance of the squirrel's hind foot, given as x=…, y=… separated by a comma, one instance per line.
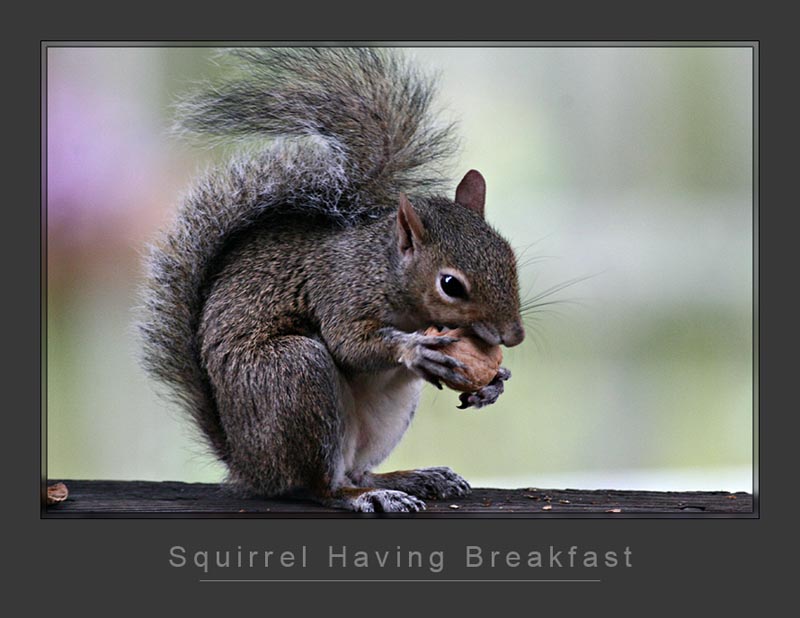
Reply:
x=436, y=483
x=378, y=501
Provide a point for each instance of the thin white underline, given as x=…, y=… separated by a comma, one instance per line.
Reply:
x=384, y=581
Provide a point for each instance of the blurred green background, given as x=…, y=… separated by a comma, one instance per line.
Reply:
x=627, y=168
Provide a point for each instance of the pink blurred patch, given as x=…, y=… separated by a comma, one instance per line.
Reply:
x=102, y=162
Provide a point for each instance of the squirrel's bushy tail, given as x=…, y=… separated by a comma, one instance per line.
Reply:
x=352, y=128
x=367, y=105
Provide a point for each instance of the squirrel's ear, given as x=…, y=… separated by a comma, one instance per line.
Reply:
x=410, y=231
x=471, y=191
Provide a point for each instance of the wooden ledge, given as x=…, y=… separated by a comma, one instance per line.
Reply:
x=168, y=499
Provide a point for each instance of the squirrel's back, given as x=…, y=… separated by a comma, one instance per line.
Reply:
x=352, y=128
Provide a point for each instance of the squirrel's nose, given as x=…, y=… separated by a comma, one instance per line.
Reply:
x=513, y=334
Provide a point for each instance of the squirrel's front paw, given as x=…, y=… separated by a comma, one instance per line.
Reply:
x=488, y=394
x=421, y=354
x=387, y=501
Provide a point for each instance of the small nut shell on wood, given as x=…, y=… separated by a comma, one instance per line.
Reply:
x=57, y=493
x=481, y=360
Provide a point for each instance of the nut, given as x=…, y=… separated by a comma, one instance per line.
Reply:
x=481, y=360
x=57, y=493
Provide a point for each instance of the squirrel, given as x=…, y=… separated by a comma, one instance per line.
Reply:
x=286, y=306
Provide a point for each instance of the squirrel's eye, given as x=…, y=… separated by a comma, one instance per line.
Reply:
x=452, y=286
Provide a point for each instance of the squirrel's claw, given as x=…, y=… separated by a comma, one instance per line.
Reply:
x=441, y=370
x=442, y=359
x=434, y=381
x=420, y=356
x=433, y=341
x=486, y=395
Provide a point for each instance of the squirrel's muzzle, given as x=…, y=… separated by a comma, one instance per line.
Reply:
x=513, y=334
x=510, y=335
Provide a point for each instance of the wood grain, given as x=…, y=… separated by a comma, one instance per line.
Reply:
x=166, y=499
